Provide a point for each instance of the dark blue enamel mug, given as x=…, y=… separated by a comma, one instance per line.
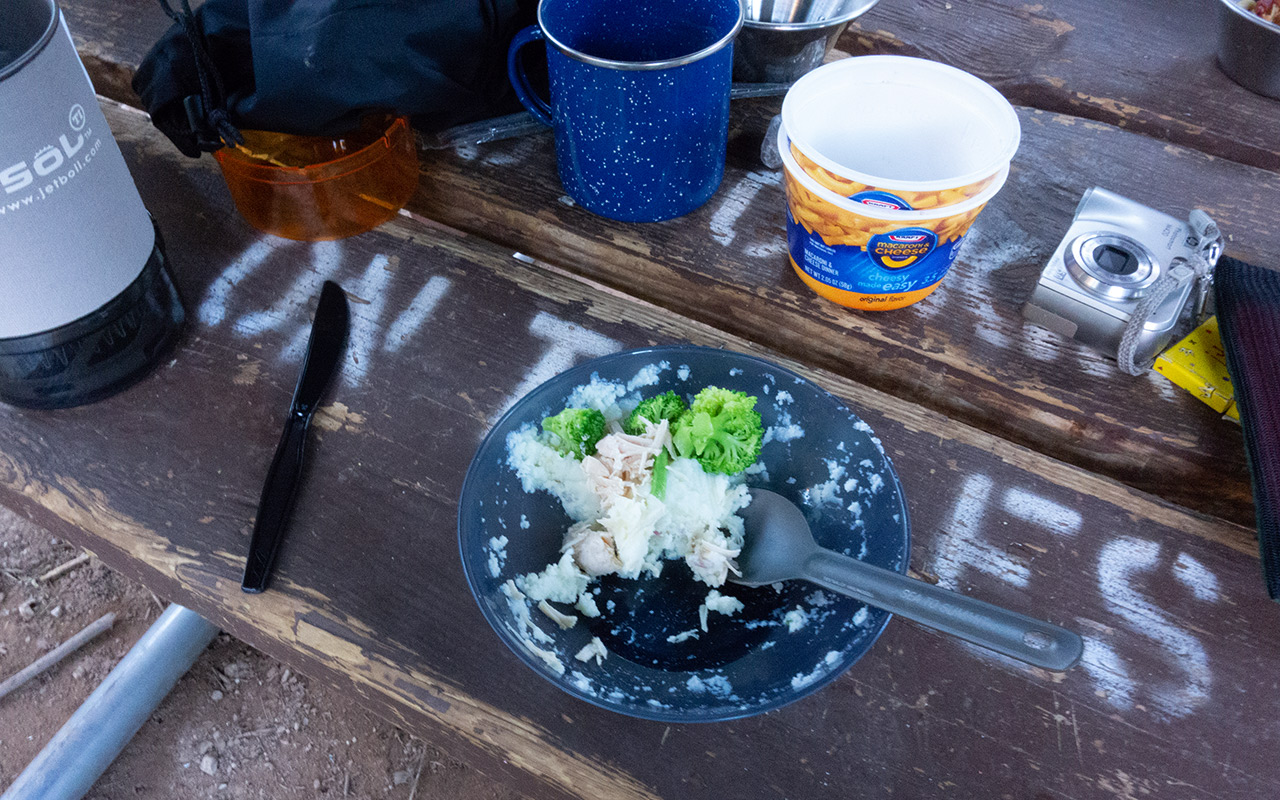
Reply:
x=639, y=100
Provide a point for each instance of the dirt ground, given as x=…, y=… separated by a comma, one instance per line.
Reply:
x=238, y=725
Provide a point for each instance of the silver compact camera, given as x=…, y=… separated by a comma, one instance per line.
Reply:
x=1109, y=268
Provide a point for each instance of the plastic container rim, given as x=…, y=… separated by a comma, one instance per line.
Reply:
x=793, y=168
x=857, y=62
x=248, y=168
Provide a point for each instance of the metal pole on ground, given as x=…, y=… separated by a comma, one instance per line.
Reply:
x=87, y=744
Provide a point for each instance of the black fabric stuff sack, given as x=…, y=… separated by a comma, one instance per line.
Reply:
x=314, y=68
x=1248, y=302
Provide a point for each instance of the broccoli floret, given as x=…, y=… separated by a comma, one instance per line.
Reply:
x=575, y=431
x=667, y=406
x=721, y=430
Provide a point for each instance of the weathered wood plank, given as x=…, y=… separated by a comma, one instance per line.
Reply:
x=112, y=39
x=162, y=481
x=1122, y=63
x=966, y=350
x=1147, y=68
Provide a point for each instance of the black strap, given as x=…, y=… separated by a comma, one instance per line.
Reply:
x=206, y=112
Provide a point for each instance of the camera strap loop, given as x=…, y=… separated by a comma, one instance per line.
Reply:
x=1199, y=267
x=1210, y=244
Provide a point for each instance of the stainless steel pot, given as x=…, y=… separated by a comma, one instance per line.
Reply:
x=86, y=301
x=782, y=40
x=1249, y=49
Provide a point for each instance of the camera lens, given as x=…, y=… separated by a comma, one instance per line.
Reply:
x=1114, y=260
x=1111, y=265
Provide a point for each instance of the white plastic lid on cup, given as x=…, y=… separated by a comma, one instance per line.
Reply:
x=895, y=122
x=792, y=167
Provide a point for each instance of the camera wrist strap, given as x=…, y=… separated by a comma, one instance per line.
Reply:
x=1199, y=267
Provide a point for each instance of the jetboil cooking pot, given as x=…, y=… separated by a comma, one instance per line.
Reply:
x=86, y=299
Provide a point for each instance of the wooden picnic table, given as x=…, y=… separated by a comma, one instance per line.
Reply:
x=1037, y=475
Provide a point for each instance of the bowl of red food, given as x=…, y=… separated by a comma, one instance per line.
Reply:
x=1249, y=44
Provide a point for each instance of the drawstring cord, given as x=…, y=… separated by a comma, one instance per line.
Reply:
x=206, y=112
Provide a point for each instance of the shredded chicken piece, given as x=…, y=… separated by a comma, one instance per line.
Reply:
x=620, y=468
x=592, y=548
x=623, y=463
x=565, y=621
x=594, y=649
x=712, y=561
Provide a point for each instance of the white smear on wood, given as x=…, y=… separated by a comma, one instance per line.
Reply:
x=1167, y=388
x=1197, y=577
x=735, y=203
x=326, y=257
x=419, y=311
x=968, y=283
x=568, y=342
x=363, y=337
x=213, y=309
x=993, y=243
x=989, y=332
x=1109, y=673
x=1041, y=343
x=1041, y=511
x=297, y=346
x=1095, y=364
x=768, y=248
x=929, y=307
x=1119, y=563
x=961, y=547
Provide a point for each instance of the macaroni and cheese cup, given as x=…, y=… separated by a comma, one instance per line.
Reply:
x=864, y=255
x=905, y=133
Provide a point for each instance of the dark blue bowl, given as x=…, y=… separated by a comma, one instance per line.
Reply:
x=748, y=663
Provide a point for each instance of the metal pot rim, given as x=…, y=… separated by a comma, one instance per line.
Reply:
x=1235, y=8
x=638, y=66
x=830, y=22
x=55, y=14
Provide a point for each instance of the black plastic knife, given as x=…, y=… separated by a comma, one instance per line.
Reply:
x=324, y=353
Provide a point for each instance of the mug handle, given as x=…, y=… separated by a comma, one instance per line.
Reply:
x=539, y=108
